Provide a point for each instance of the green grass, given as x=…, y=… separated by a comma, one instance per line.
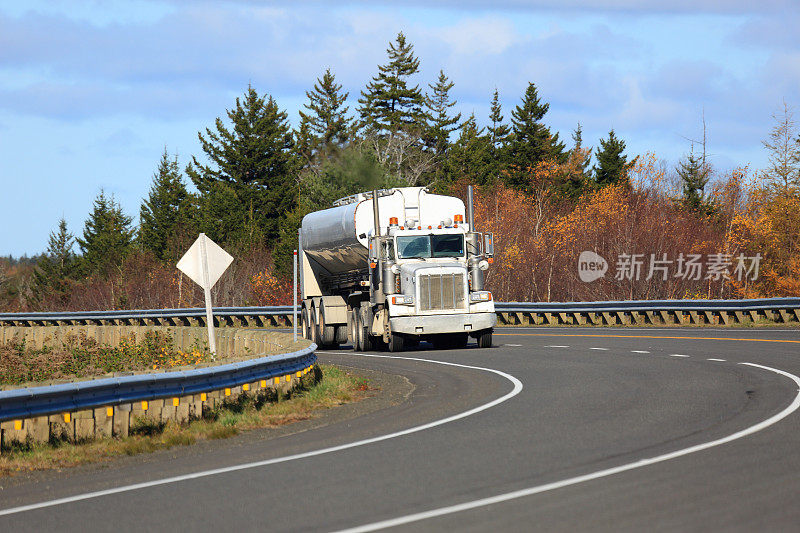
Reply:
x=325, y=387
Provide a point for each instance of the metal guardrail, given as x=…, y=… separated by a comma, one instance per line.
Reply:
x=39, y=401
x=669, y=311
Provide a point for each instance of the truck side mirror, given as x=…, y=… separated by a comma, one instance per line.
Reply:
x=488, y=244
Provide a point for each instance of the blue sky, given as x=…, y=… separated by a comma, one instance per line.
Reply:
x=92, y=91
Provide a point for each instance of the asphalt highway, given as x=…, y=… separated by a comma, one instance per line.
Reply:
x=556, y=429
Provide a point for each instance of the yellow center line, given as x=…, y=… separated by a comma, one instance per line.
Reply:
x=643, y=337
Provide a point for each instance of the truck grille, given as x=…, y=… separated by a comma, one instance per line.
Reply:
x=441, y=291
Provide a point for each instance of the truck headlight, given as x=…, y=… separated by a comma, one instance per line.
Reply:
x=480, y=296
x=403, y=300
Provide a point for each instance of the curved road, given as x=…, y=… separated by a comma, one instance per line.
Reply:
x=553, y=429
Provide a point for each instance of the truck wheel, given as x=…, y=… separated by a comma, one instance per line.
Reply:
x=485, y=339
x=341, y=334
x=327, y=334
x=367, y=340
x=355, y=328
x=312, y=325
x=304, y=324
x=396, y=342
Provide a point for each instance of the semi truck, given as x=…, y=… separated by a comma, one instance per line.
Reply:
x=394, y=267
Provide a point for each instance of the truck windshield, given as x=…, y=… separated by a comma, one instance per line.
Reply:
x=410, y=246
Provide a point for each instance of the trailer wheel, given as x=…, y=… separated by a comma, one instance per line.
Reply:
x=312, y=325
x=485, y=339
x=327, y=334
x=304, y=324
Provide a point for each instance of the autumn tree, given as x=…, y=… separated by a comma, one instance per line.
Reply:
x=612, y=164
x=783, y=144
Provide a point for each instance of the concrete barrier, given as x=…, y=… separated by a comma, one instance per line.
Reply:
x=118, y=419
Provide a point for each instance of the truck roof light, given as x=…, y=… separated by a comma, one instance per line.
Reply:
x=430, y=227
x=392, y=221
x=373, y=264
x=419, y=227
x=401, y=227
x=440, y=226
x=459, y=218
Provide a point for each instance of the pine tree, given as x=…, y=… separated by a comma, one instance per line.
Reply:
x=470, y=156
x=576, y=176
x=55, y=270
x=531, y=141
x=498, y=132
x=324, y=127
x=439, y=123
x=107, y=237
x=388, y=104
x=694, y=174
x=250, y=183
x=165, y=213
x=612, y=166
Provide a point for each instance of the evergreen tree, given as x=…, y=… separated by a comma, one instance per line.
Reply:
x=612, y=166
x=498, y=131
x=324, y=126
x=694, y=174
x=389, y=104
x=576, y=173
x=165, y=213
x=250, y=183
x=55, y=270
x=470, y=156
x=783, y=144
x=107, y=237
x=531, y=141
x=439, y=123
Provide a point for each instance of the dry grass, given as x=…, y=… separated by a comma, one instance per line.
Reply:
x=324, y=388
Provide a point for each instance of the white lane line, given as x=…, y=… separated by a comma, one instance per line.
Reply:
x=713, y=359
x=639, y=351
x=186, y=477
x=556, y=346
x=677, y=355
x=516, y=345
x=594, y=475
x=602, y=349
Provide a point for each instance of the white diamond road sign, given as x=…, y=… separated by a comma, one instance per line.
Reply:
x=218, y=259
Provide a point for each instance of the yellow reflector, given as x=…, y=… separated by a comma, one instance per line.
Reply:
x=277, y=380
x=18, y=424
x=246, y=386
x=109, y=412
x=67, y=417
x=144, y=406
x=288, y=378
x=263, y=383
x=227, y=392
x=175, y=402
x=202, y=396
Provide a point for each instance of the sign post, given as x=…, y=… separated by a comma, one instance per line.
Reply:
x=204, y=263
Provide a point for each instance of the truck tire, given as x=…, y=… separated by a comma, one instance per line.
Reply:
x=485, y=339
x=313, y=329
x=396, y=342
x=367, y=340
x=355, y=326
x=341, y=334
x=306, y=327
x=327, y=334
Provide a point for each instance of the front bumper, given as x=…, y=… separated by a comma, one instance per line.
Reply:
x=433, y=324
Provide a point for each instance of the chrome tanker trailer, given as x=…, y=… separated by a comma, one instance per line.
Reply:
x=395, y=266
